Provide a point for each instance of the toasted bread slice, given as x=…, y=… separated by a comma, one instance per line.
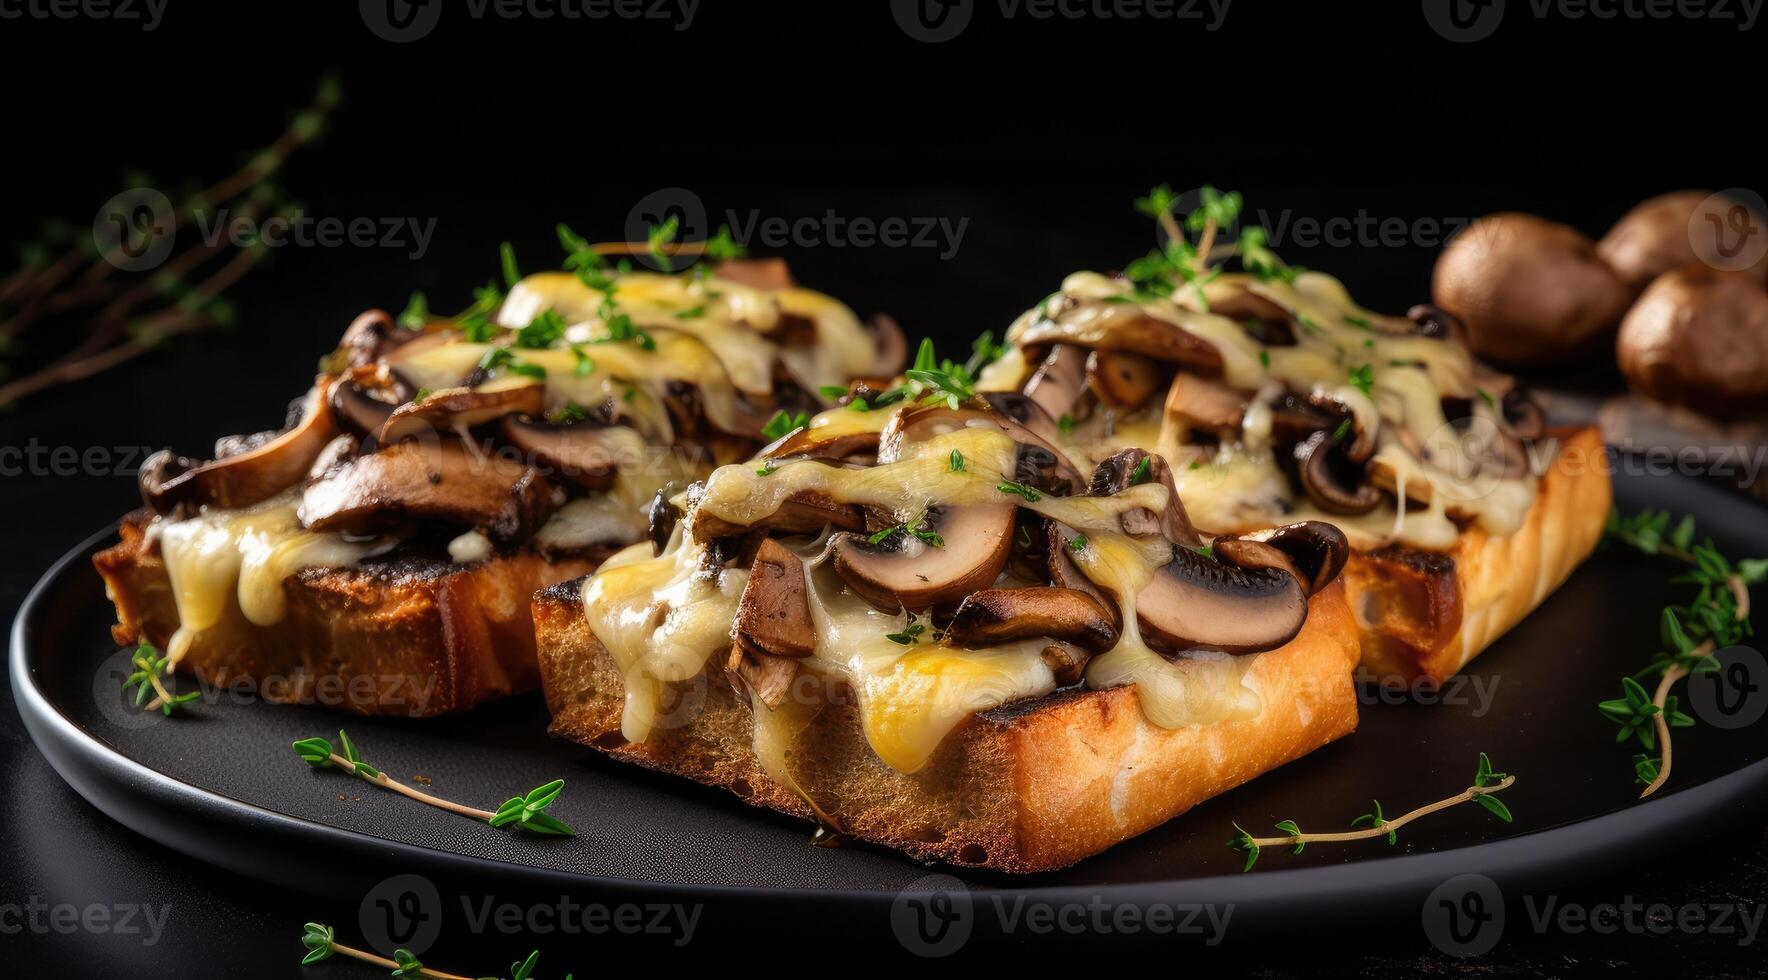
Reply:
x=1030, y=786
x=1425, y=614
x=404, y=636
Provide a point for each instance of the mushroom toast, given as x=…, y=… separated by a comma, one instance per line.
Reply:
x=915, y=621
x=377, y=554
x=1276, y=398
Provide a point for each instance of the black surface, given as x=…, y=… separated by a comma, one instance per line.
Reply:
x=1036, y=132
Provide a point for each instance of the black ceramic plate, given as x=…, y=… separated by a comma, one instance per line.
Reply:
x=222, y=784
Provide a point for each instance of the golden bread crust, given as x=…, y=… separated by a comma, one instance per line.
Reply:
x=1030, y=786
x=402, y=637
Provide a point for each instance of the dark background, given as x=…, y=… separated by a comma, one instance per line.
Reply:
x=1037, y=132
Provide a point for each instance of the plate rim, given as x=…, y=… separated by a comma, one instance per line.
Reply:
x=185, y=816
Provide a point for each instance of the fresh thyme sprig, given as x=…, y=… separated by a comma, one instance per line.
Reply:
x=149, y=664
x=525, y=812
x=1374, y=824
x=1717, y=617
x=1181, y=263
x=321, y=943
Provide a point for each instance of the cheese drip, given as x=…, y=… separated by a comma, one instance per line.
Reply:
x=221, y=556
x=664, y=618
x=1239, y=486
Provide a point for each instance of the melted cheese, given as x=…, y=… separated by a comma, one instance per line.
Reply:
x=220, y=557
x=664, y=618
x=1239, y=487
x=661, y=619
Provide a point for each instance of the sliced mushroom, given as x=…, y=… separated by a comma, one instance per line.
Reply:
x=765, y=678
x=247, y=477
x=1331, y=481
x=804, y=512
x=459, y=409
x=892, y=345
x=1124, y=470
x=1067, y=661
x=1262, y=319
x=822, y=442
x=1313, y=551
x=992, y=617
x=1026, y=422
x=582, y=452
x=769, y=273
x=1122, y=380
x=1355, y=442
x=1437, y=323
x=1134, y=334
x=366, y=396
x=773, y=616
x=1060, y=382
x=903, y=571
x=1294, y=418
x=1194, y=403
x=1064, y=573
x=440, y=482
x=234, y=445
x=341, y=448
x=661, y=518
x=1194, y=601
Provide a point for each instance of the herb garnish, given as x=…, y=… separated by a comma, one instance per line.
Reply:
x=1030, y=495
x=321, y=943
x=505, y=357
x=149, y=664
x=957, y=461
x=783, y=423
x=1375, y=824
x=1078, y=543
x=1717, y=617
x=1143, y=471
x=918, y=529
x=1363, y=379
x=567, y=414
x=525, y=812
x=906, y=636
x=416, y=312
x=542, y=332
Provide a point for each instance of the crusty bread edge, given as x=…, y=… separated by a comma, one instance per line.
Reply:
x=1031, y=786
x=412, y=638
x=1463, y=600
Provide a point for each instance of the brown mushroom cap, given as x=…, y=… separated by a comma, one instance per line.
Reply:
x=1530, y=291
x=365, y=397
x=991, y=617
x=1699, y=337
x=429, y=481
x=903, y=571
x=824, y=442
x=582, y=452
x=773, y=616
x=1673, y=230
x=247, y=477
x=1064, y=573
x=1334, y=483
x=457, y=409
x=1118, y=472
x=761, y=676
x=1194, y=601
x=1134, y=334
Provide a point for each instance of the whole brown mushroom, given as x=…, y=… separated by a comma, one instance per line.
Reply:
x=1529, y=291
x=1673, y=230
x=1699, y=337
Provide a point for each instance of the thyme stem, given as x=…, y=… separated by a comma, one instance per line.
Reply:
x=1383, y=828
